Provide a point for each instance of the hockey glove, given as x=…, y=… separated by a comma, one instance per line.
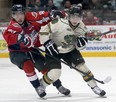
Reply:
x=51, y=48
x=57, y=13
x=81, y=42
x=92, y=35
x=25, y=40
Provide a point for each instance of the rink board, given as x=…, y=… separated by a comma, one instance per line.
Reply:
x=85, y=54
x=104, y=48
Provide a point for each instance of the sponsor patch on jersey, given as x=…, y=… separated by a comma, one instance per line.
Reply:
x=68, y=29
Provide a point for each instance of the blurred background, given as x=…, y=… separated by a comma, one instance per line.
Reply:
x=99, y=12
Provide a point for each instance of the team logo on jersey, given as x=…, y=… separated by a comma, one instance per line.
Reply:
x=69, y=39
x=68, y=29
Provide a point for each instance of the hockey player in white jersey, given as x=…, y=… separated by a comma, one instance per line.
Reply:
x=70, y=37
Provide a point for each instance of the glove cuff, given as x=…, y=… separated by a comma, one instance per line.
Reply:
x=47, y=42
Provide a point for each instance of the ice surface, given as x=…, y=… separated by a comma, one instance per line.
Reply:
x=15, y=87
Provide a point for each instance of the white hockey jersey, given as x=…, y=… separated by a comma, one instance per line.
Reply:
x=63, y=34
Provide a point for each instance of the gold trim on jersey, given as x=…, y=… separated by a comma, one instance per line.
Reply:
x=46, y=79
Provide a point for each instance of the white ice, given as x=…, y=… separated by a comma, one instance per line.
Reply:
x=15, y=87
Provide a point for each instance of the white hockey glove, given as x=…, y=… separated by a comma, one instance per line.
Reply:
x=81, y=42
x=25, y=40
x=51, y=48
x=56, y=14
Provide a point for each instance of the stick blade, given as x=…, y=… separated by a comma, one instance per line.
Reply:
x=108, y=79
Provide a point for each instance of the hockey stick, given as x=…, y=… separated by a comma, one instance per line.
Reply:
x=106, y=80
x=101, y=34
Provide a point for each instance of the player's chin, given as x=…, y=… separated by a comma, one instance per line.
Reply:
x=20, y=21
x=74, y=24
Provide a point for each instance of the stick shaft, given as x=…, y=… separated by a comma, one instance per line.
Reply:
x=102, y=34
x=71, y=66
